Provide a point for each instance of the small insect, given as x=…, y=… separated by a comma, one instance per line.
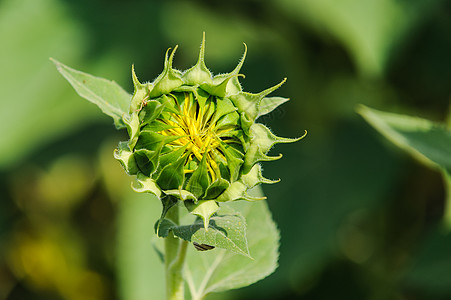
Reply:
x=202, y=247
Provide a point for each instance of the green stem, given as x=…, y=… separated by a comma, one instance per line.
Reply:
x=175, y=252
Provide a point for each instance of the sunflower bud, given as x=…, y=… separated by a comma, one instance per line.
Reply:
x=193, y=136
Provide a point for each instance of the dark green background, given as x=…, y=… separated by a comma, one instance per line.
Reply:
x=357, y=216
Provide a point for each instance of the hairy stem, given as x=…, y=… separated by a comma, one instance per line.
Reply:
x=175, y=252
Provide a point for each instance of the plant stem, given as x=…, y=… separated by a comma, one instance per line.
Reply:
x=175, y=252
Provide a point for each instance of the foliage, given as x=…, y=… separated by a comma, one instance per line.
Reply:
x=347, y=203
x=175, y=125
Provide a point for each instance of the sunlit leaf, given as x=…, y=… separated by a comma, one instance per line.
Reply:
x=138, y=264
x=219, y=270
x=35, y=108
x=112, y=99
x=227, y=231
x=429, y=142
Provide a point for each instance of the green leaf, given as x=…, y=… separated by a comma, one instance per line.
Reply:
x=37, y=108
x=429, y=142
x=431, y=267
x=107, y=95
x=219, y=270
x=227, y=230
x=138, y=266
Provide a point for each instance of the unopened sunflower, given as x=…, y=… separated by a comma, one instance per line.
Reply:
x=194, y=136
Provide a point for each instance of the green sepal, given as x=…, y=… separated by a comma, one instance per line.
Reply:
x=234, y=160
x=236, y=134
x=147, y=160
x=234, y=85
x=265, y=139
x=199, y=73
x=220, y=89
x=249, y=103
x=246, y=122
x=224, y=170
x=252, y=198
x=152, y=140
x=132, y=123
x=201, y=97
x=156, y=126
x=237, y=190
x=268, y=104
x=230, y=119
x=187, y=89
x=125, y=157
x=224, y=107
x=172, y=175
x=168, y=80
x=169, y=106
x=150, y=111
x=183, y=195
x=210, y=109
x=253, y=155
x=234, y=192
x=216, y=189
x=203, y=209
x=146, y=184
x=140, y=93
x=199, y=181
x=254, y=177
x=171, y=156
x=168, y=202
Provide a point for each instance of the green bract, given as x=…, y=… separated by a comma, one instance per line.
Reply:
x=193, y=137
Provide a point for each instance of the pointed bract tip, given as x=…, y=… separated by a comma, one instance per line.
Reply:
x=272, y=89
x=241, y=62
x=166, y=57
x=171, y=57
x=303, y=136
x=201, y=59
x=136, y=82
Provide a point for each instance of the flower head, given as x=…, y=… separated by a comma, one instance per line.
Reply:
x=193, y=136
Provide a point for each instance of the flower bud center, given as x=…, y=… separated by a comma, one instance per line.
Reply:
x=197, y=130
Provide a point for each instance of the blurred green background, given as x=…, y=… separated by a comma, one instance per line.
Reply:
x=359, y=219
